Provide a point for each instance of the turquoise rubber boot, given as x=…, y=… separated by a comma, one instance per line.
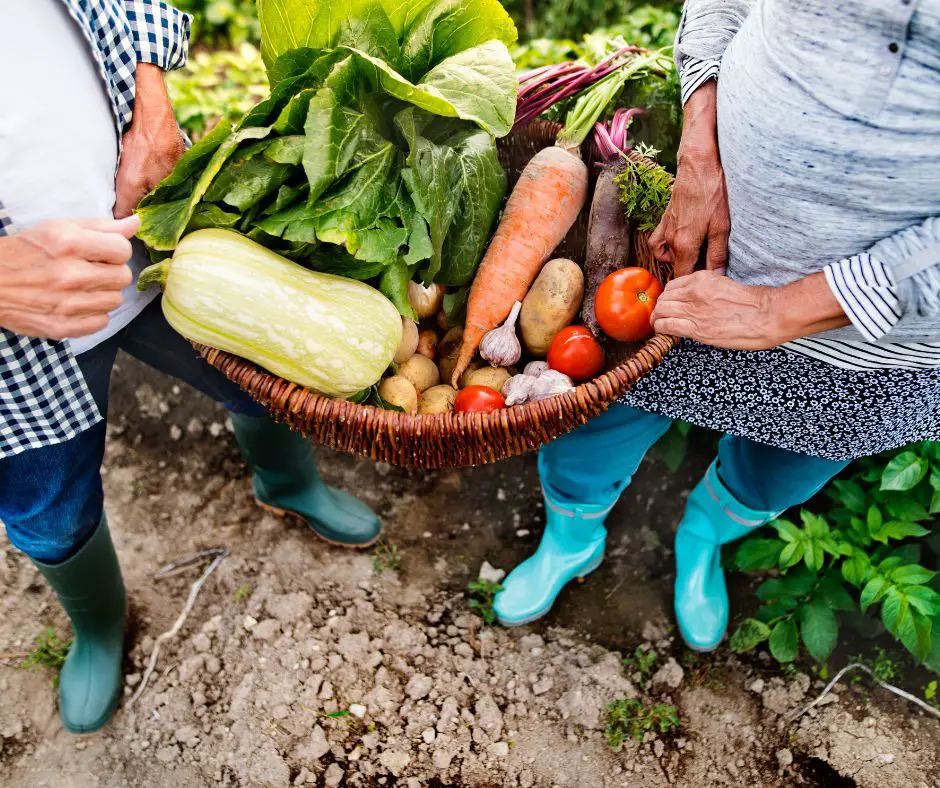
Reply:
x=90, y=589
x=287, y=482
x=572, y=546
x=713, y=517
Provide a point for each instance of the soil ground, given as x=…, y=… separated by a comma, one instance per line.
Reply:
x=303, y=664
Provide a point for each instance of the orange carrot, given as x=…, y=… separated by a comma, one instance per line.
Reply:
x=543, y=206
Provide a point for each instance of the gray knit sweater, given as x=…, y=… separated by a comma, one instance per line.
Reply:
x=829, y=129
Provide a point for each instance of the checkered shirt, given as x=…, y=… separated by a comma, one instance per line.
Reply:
x=43, y=396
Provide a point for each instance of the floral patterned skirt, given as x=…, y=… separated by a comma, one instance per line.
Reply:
x=793, y=402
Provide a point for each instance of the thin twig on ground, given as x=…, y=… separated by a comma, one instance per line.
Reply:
x=218, y=553
x=890, y=687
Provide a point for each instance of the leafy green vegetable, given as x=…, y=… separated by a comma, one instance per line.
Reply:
x=374, y=155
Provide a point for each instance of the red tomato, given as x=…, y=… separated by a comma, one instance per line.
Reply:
x=478, y=399
x=575, y=352
x=624, y=302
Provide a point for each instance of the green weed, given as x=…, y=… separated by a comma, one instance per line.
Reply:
x=50, y=652
x=385, y=555
x=630, y=718
x=481, y=594
x=642, y=662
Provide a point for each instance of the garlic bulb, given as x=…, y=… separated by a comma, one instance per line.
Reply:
x=516, y=390
x=426, y=301
x=550, y=383
x=535, y=368
x=501, y=346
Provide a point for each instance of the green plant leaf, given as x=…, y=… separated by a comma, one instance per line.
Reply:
x=874, y=519
x=787, y=530
x=792, y=554
x=912, y=574
x=904, y=472
x=757, y=554
x=815, y=526
x=833, y=594
x=784, y=641
x=819, y=629
x=748, y=635
x=907, y=509
x=924, y=599
x=851, y=495
x=898, y=529
x=895, y=610
x=855, y=569
x=873, y=591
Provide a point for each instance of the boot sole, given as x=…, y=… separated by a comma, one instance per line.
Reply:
x=287, y=514
x=530, y=619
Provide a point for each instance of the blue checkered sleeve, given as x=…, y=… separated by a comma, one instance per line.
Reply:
x=161, y=33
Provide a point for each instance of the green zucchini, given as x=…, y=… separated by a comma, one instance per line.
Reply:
x=328, y=333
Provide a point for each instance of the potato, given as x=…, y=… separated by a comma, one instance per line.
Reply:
x=493, y=377
x=447, y=352
x=551, y=304
x=473, y=366
x=409, y=341
x=427, y=343
x=421, y=371
x=437, y=399
x=399, y=391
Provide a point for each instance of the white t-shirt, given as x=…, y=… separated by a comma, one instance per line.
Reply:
x=58, y=140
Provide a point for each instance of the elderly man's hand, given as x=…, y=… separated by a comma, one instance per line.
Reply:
x=152, y=145
x=60, y=279
x=698, y=211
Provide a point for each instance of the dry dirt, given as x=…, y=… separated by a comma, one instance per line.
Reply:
x=300, y=664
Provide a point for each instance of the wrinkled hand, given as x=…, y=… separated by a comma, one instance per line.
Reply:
x=151, y=146
x=60, y=279
x=697, y=214
x=710, y=308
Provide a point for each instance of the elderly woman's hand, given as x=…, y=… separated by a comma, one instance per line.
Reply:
x=712, y=309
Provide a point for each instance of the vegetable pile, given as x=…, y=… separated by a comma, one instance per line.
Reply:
x=374, y=157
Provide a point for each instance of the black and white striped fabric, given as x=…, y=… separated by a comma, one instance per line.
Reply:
x=43, y=397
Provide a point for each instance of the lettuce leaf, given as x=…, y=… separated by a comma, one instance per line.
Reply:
x=374, y=155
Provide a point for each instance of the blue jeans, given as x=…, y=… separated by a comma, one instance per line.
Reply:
x=589, y=464
x=51, y=498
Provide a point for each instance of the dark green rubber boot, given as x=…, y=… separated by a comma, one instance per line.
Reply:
x=287, y=482
x=90, y=589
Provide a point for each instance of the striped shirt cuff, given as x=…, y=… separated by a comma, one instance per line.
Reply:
x=161, y=33
x=695, y=73
x=867, y=293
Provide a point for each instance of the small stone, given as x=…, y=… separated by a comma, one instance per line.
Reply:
x=175, y=432
x=357, y=710
x=522, y=533
x=418, y=686
x=669, y=675
x=490, y=573
x=429, y=735
x=543, y=685
x=757, y=686
x=201, y=642
x=395, y=761
x=659, y=748
x=784, y=758
x=249, y=623
x=132, y=679
x=499, y=749
x=441, y=759
x=187, y=735
x=267, y=630
x=333, y=775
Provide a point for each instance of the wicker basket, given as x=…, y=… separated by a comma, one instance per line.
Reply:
x=455, y=439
